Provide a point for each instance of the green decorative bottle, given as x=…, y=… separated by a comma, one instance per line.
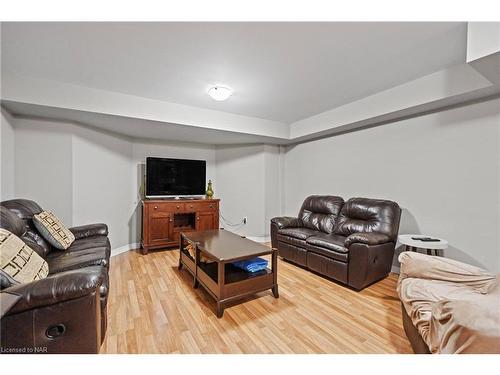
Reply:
x=210, y=192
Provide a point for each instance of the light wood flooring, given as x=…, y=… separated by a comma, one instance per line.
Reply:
x=153, y=308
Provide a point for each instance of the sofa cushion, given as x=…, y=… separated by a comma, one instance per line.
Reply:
x=19, y=264
x=53, y=230
x=319, y=212
x=331, y=246
x=291, y=241
x=369, y=215
x=10, y=222
x=342, y=257
x=90, y=243
x=24, y=210
x=332, y=242
x=299, y=233
x=79, y=255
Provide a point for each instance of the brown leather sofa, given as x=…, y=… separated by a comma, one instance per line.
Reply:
x=67, y=311
x=352, y=242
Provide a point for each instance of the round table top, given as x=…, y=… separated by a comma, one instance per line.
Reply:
x=406, y=239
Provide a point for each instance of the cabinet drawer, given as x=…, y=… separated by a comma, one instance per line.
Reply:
x=177, y=206
x=166, y=207
x=161, y=214
x=209, y=206
x=192, y=206
x=201, y=206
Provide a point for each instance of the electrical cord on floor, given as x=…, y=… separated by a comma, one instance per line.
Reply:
x=228, y=223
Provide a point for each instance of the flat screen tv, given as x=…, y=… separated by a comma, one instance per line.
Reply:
x=175, y=177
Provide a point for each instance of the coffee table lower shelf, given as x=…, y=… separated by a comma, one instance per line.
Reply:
x=226, y=283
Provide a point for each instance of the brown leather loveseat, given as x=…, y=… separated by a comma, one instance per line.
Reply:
x=65, y=312
x=352, y=242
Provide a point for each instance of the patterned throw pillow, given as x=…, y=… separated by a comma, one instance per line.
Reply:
x=53, y=230
x=19, y=263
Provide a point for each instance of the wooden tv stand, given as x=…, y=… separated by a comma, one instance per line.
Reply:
x=164, y=219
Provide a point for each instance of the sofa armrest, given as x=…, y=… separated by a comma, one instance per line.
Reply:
x=421, y=266
x=278, y=223
x=368, y=238
x=57, y=288
x=369, y=263
x=286, y=222
x=89, y=230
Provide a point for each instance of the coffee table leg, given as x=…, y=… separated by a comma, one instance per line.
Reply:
x=221, y=280
x=180, y=252
x=220, y=310
x=275, y=291
x=196, y=262
x=274, y=265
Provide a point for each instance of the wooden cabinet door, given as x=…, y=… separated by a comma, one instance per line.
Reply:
x=206, y=221
x=160, y=228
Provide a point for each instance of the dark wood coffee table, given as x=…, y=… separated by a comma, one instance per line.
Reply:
x=222, y=280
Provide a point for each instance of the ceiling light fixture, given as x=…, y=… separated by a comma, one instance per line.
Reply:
x=219, y=93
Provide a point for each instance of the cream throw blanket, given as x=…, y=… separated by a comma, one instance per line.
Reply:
x=454, y=306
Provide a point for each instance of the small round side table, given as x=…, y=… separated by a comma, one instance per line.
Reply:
x=413, y=245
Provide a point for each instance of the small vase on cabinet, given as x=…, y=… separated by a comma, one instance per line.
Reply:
x=210, y=192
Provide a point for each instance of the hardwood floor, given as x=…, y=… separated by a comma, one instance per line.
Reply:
x=154, y=309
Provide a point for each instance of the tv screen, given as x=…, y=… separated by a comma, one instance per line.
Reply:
x=175, y=177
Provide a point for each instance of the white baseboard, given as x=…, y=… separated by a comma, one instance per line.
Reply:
x=125, y=248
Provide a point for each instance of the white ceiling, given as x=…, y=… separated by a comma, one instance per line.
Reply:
x=140, y=128
x=278, y=71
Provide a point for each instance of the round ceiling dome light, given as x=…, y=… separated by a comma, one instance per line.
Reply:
x=219, y=93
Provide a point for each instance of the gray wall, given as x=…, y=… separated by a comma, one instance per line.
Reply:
x=43, y=165
x=248, y=184
x=272, y=186
x=102, y=182
x=82, y=175
x=442, y=168
x=86, y=175
x=7, y=156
